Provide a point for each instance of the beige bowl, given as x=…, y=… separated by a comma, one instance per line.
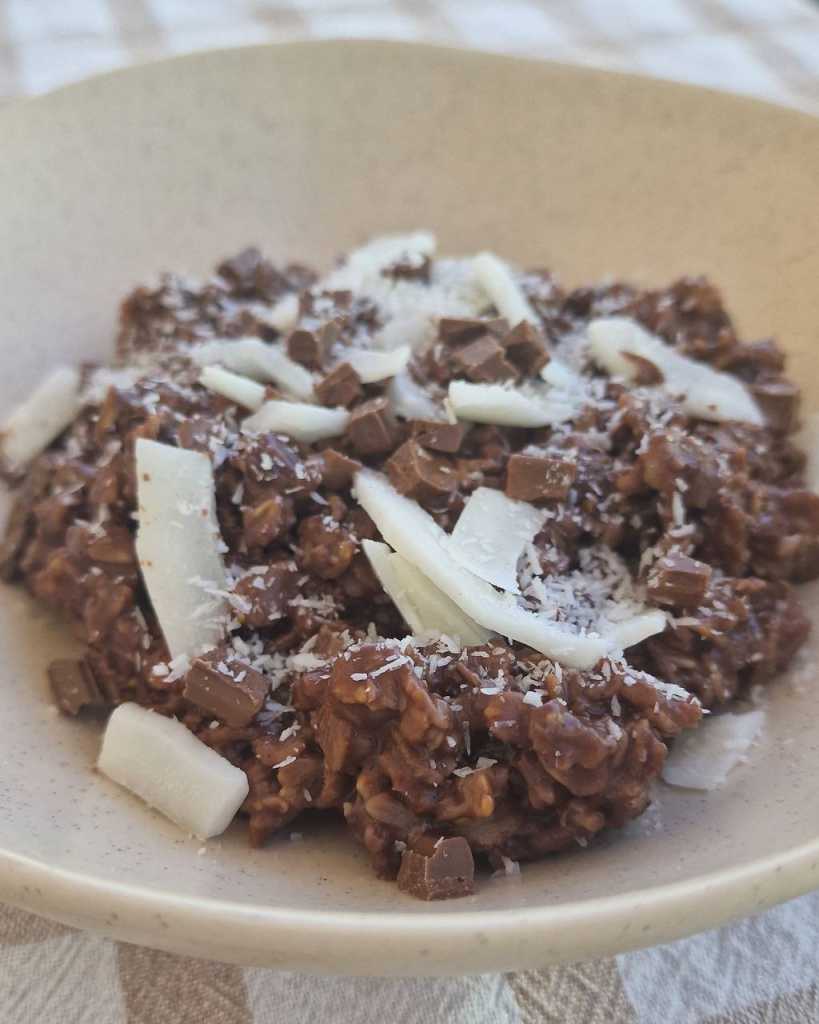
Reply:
x=308, y=149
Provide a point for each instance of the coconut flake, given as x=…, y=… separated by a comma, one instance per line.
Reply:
x=42, y=417
x=178, y=545
x=426, y=610
x=409, y=400
x=491, y=534
x=412, y=331
x=307, y=423
x=415, y=535
x=703, y=757
x=232, y=386
x=260, y=360
x=284, y=314
x=704, y=392
x=502, y=288
x=165, y=765
x=372, y=366
x=508, y=406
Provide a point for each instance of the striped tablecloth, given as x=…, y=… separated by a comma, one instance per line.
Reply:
x=761, y=971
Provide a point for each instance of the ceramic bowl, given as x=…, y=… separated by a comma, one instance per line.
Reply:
x=306, y=150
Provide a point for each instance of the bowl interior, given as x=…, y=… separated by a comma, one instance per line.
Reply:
x=307, y=150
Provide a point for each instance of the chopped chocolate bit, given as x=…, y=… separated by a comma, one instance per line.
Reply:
x=412, y=267
x=438, y=435
x=419, y=475
x=341, y=386
x=647, y=374
x=460, y=330
x=73, y=686
x=313, y=303
x=372, y=427
x=250, y=275
x=484, y=361
x=303, y=346
x=226, y=688
x=338, y=469
x=678, y=581
x=539, y=478
x=267, y=595
x=779, y=400
x=437, y=869
x=526, y=349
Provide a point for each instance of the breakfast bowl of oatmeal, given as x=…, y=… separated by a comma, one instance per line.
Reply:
x=409, y=558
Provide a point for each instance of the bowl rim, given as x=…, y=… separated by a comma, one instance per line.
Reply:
x=492, y=939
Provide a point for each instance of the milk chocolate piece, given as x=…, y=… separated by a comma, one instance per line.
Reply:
x=647, y=374
x=410, y=268
x=437, y=869
x=438, y=435
x=779, y=400
x=419, y=475
x=303, y=347
x=73, y=686
x=484, y=361
x=678, y=581
x=539, y=477
x=459, y=330
x=338, y=469
x=226, y=688
x=341, y=386
x=526, y=349
x=268, y=594
x=372, y=428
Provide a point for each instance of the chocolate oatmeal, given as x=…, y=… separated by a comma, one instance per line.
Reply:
x=433, y=545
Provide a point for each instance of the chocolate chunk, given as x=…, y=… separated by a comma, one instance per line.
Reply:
x=412, y=267
x=647, y=374
x=341, y=386
x=419, y=475
x=437, y=869
x=459, y=330
x=226, y=688
x=539, y=477
x=678, y=581
x=438, y=435
x=267, y=594
x=338, y=470
x=303, y=347
x=250, y=275
x=372, y=428
x=73, y=686
x=484, y=361
x=779, y=400
x=526, y=349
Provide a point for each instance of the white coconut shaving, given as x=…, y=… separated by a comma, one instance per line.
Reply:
x=163, y=763
x=503, y=290
x=42, y=417
x=307, y=423
x=703, y=758
x=178, y=545
x=491, y=534
x=703, y=392
x=425, y=608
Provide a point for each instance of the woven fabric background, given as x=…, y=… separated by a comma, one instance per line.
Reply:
x=761, y=971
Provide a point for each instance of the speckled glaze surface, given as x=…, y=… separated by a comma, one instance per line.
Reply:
x=307, y=149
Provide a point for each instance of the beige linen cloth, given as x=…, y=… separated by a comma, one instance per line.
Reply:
x=764, y=970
